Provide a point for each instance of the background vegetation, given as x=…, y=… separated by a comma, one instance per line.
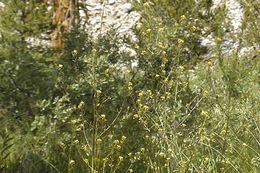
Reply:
x=85, y=108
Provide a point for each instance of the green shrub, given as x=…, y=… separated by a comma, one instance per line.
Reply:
x=84, y=108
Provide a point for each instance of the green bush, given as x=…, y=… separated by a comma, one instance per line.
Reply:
x=85, y=108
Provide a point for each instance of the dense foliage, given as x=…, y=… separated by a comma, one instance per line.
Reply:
x=87, y=108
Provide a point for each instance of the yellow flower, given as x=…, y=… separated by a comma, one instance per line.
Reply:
x=62, y=144
x=94, y=50
x=209, y=62
x=73, y=121
x=218, y=39
x=183, y=17
x=99, y=92
x=74, y=53
x=76, y=141
x=180, y=42
x=249, y=5
x=138, y=154
x=183, y=125
x=116, y=141
x=149, y=93
x=118, y=147
x=181, y=68
x=120, y=158
x=164, y=53
x=136, y=116
x=113, y=67
x=206, y=93
x=161, y=29
x=205, y=114
x=169, y=150
x=162, y=154
x=110, y=136
x=163, y=72
x=193, y=28
x=102, y=116
x=140, y=94
x=143, y=52
x=123, y=138
x=85, y=147
x=130, y=86
x=160, y=45
x=147, y=4
x=139, y=26
x=71, y=162
x=81, y=104
x=146, y=108
x=105, y=159
x=148, y=30
x=99, y=141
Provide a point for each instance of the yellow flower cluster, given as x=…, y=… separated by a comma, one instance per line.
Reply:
x=183, y=17
x=193, y=28
x=161, y=30
x=130, y=86
x=180, y=42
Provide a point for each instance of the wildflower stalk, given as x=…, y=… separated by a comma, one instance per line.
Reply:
x=94, y=108
x=94, y=105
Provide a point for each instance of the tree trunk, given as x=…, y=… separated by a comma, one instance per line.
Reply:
x=64, y=17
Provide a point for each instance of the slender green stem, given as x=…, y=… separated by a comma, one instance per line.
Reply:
x=94, y=108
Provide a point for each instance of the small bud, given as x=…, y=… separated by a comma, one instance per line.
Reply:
x=74, y=53
x=123, y=138
x=102, y=116
x=99, y=140
x=148, y=30
x=136, y=116
x=219, y=39
x=120, y=158
x=183, y=17
x=116, y=141
x=71, y=162
x=161, y=154
x=94, y=50
x=139, y=26
x=161, y=29
x=209, y=63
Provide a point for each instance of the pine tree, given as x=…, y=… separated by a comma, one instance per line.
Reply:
x=25, y=76
x=21, y=69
